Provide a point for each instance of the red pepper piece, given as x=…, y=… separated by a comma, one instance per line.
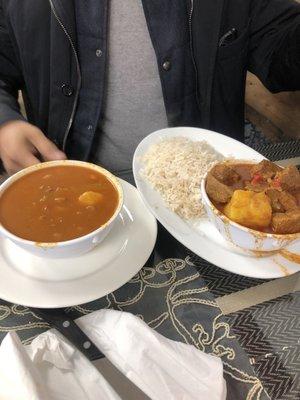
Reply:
x=257, y=178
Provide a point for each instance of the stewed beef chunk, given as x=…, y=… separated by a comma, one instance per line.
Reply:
x=266, y=169
x=225, y=174
x=257, y=187
x=276, y=205
x=216, y=190
x=281, y=201
x=288, y=201
x=288, y=222
x=288, y=179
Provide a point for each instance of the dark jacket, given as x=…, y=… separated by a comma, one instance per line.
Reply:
x=38, y=55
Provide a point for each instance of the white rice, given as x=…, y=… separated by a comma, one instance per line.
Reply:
x=175, y=167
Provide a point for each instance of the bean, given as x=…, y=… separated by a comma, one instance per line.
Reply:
x=60, y=199
x=61, y=189
x=47, y=176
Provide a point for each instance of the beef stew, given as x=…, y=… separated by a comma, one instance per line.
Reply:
x=261, y=196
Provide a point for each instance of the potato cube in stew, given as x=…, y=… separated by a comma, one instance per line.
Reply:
x=249, y=209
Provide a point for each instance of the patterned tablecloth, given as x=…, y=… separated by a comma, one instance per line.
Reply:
x=175, y=294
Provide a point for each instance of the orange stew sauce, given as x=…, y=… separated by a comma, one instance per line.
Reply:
x=56, y=204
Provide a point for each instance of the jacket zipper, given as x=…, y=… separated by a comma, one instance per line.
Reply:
x=66, y=134
x=191, y=11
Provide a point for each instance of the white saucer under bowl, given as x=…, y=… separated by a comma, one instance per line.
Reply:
x=39, y=282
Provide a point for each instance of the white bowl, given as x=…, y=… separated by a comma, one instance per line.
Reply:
x=243, y=237
x=69, y=248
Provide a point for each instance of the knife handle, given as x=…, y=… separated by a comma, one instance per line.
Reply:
x=60, y=320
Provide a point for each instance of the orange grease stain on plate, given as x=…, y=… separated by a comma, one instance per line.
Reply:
x=283, y=268
x=295, y=258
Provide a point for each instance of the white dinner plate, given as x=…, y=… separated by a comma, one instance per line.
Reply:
x=203, y=238
x=32, y=281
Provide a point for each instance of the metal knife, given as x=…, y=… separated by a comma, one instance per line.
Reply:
x=289, y=161
x=60, y=320
x=266, y=291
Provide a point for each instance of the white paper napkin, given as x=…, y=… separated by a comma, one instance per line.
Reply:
x=51, y=369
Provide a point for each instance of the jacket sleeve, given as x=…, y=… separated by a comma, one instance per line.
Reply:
x=11, y=79
x=274, y=47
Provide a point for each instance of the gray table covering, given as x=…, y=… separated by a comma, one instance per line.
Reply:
x=175, y=294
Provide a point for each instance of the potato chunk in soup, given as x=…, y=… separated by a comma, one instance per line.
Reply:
x=90, y=198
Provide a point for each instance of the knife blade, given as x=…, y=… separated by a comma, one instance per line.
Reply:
x=289, y=161
x=246, y=298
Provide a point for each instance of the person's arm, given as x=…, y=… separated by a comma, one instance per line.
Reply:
x=11, y=79
x=274, y=54
x=21, y=144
